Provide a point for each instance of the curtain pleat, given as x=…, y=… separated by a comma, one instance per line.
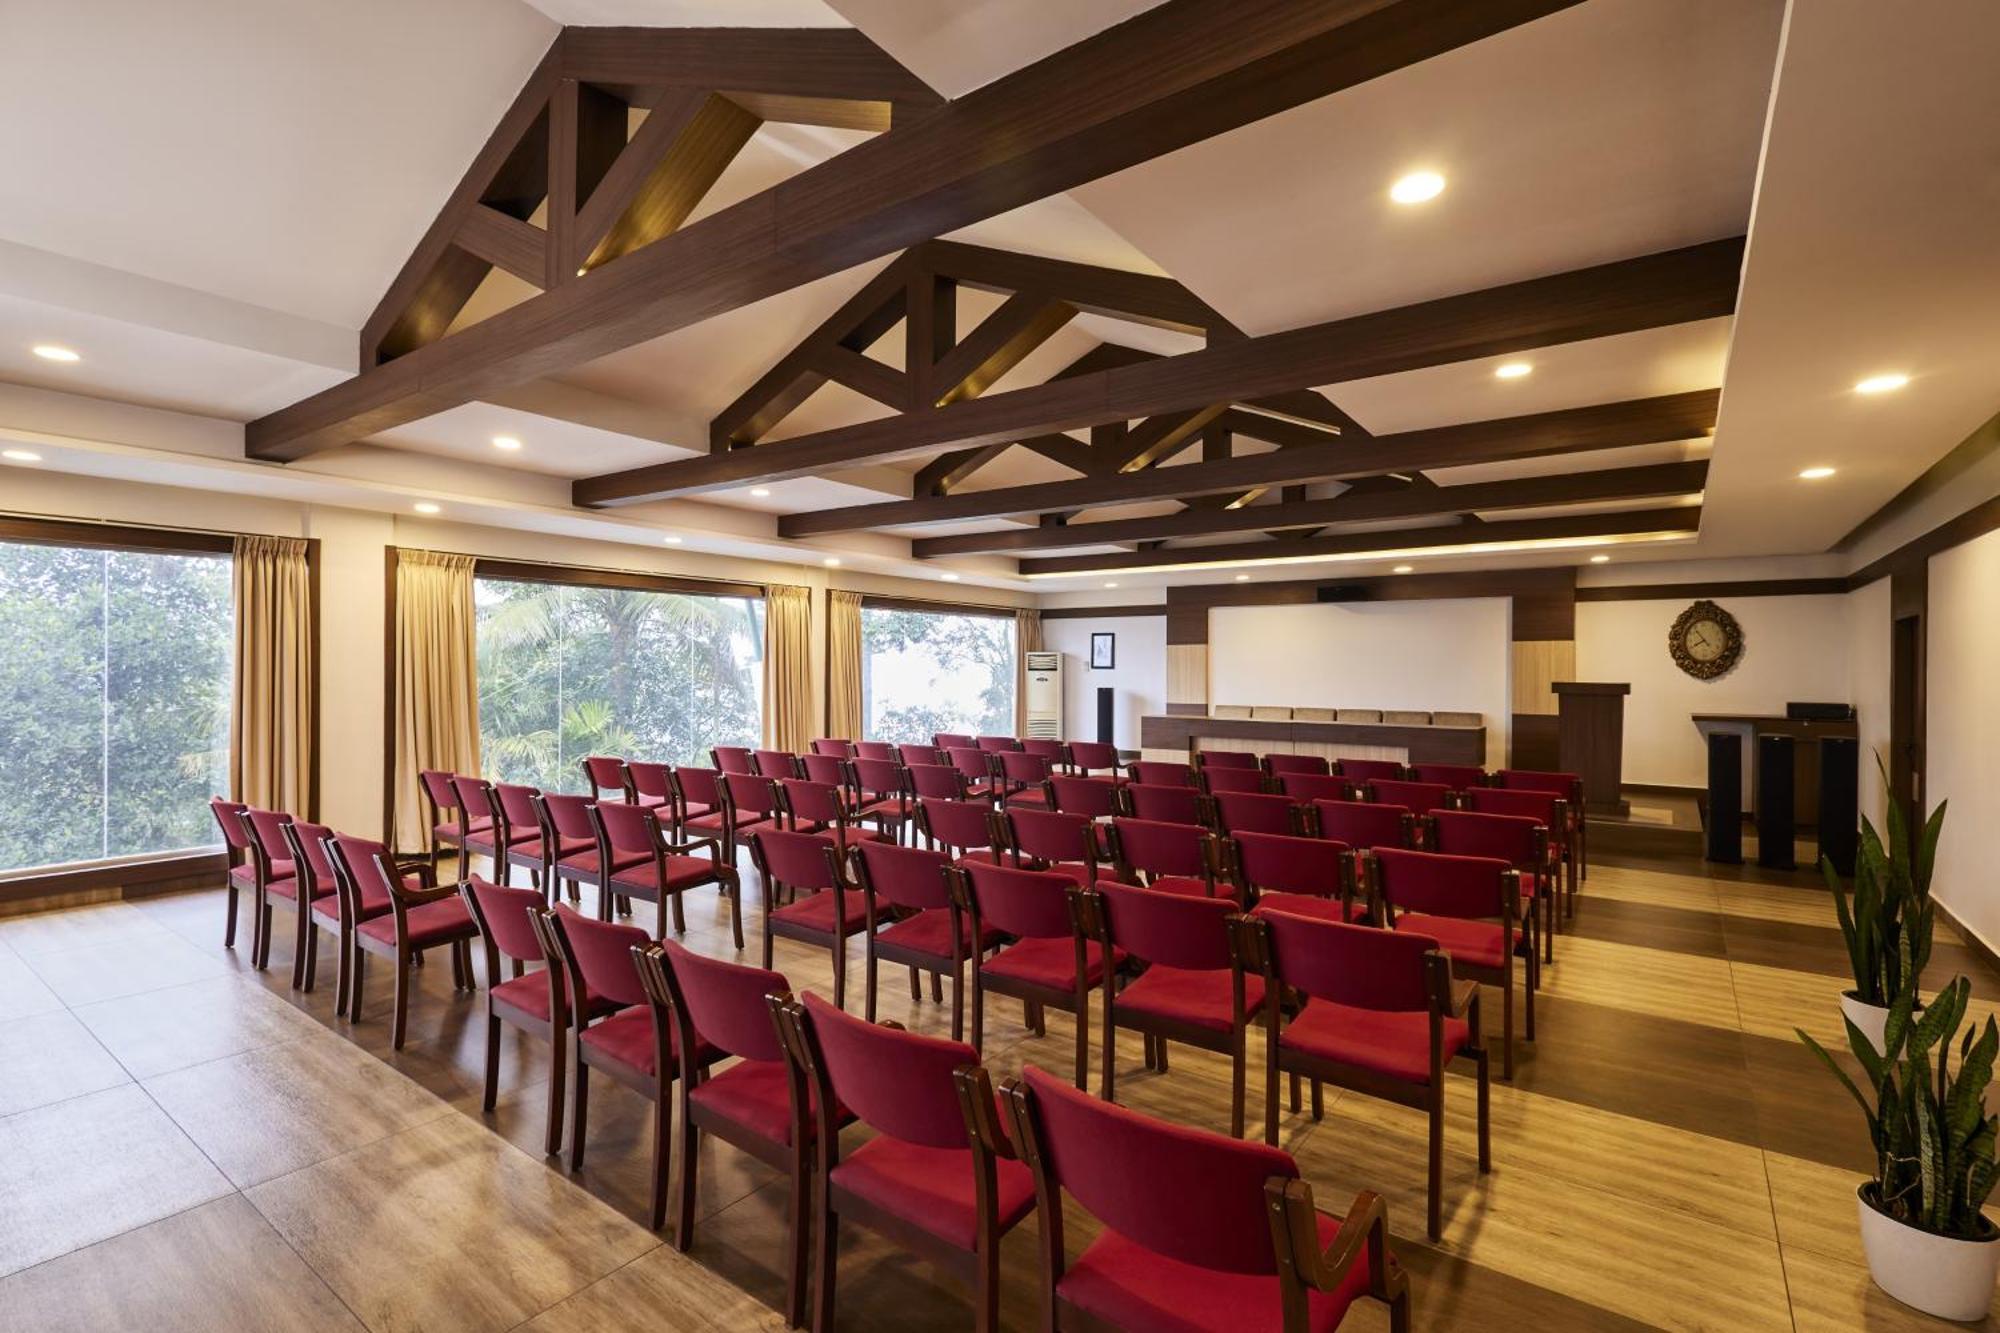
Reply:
x=1027, y=639
x=788, y=710
x=271, y=714
x=437, y=684
x=843, y=666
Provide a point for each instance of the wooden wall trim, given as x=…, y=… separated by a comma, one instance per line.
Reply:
x=1916, y=553
x=529, y=571
x=1964, y=456
x=157, y=874
x=873, y=601
x=1103, y=612
x=1664, y=592
x=113, y=536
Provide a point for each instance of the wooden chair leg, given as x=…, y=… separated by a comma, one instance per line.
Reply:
x=735, y=915
x=401, y=1020
x=1507, y=1033
x=552, y=1140
x=358, y=965
x=680, y=915
x=1083, y=1043
x=826, y=1257
x=663, y=1142
x=492, y=1091
x=986, y=1290
x=229, y=918
x=798, y=1242
x=579, y=1107
x=1319, y=1103
x=916, y=987
x=1237, y=1077
x=690, y=1178
x=1485, y=1103
x=957, y=1002
x=1435, y=1225
x=937, y=988
x=978, y=1008
x=839, y=970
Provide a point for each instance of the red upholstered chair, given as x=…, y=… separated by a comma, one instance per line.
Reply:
x=1159, y=773
x=479, y=838
x=1168, y=805
x=1042, y=747
x=776, y=763
x=1280, y=765
x=1091, y=797
x=1370, y=770
x=700, y=811
x=939, y=1177
x=399, y=912
x=535, y=1002
x=878, y=750
x=1190, y=991
x=997, y=744
x=732, y=759
x=967, y=830
x=758, y=1104
x=1304, y=876
x=1216, y=780
x=833, y=748
x=749, y=804
x=881, y=792
x=1469, y=905
x=938, y=781
x=912, y=919
x=242, y=863
x=447, y=819
x=319, y=891
x=1455, y=776
x=1363, y=824
x=1254, y=812
x=1379, y=1013
x=1200, y=1231
x=980, y=769
x=1024, y=778
x=656, y=869
x=1553, y=812
x=1173, y=858
x=1304, y=787
x=831, y=910
x=1054, y=840
x=1521, y=842
x=652, y=785
x=569, y=839
x=603, y=774
x=1050, y=965
x=1419, y=798
x=828, y=768
x=909, y=755
x=950, y=740
x=1089, y=757
x=1227, y=759
x=275, y=880
x=517, y=825
x=342, y=912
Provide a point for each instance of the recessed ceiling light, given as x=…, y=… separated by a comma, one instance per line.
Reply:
x=1110, y=585
x=1600, y=560
x=760, y=491
x=1873, y=384
x=1513, y=370
x=20, y=456
x=1417, y=187
x=949, y=578
x=425, y=507
x=671, y=540
x=1242, y=578
x=1404, y=569
x=831, y=562
x=51, y=352
x=507, y=442
x=1815, y=474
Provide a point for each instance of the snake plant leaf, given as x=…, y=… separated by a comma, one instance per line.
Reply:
x=1867, y=1107
x=1878, y=1069
x=1926, y=850
x=1965, y=1109
x=1897, y=1027
x=1930, y=1144
x=1941, y=1019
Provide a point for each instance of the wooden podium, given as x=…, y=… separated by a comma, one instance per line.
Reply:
x=1590, y=738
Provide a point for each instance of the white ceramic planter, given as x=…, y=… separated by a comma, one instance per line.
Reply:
x=1952, y=1279
x=1872, y=1019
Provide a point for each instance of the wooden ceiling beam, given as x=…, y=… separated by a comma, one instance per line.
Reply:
x=1683, y=416
x=1142, y=298
x=1656, y=481
x=947, y=470
x=1023, y=322
x=673, y=159
x=1158, y=438
x=863, y=374
x=1176, y=74
x=519, y=247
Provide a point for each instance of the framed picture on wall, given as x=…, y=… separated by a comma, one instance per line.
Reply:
x=1103, y=651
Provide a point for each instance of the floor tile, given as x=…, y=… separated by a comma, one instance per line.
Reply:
x=129, y=967
x=40, y=933
x=22, y=992
x=160, y=1031
x=50, y=1058
x=659, y=1280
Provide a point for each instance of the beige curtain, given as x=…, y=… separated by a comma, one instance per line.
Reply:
x=1027, y=639
x=788, y=710
x=843, y=665
x=437, y=685
x=271, y=718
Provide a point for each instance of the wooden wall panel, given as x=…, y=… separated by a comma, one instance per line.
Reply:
x=1538, y=663
x=1187, y=674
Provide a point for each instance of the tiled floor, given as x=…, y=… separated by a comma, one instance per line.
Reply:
x=187, y=1144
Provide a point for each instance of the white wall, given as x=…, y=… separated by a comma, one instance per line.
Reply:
x=1868, y=654
x=1962, y=702
x=1140, y=676
x=1451, y=654
x=1793, y=648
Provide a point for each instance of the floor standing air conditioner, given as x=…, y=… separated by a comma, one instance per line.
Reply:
x=1045, y=695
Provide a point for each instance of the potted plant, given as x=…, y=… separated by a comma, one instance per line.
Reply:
x=1887, y=927
x=1928, y=1243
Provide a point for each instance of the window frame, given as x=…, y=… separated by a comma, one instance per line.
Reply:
x=922, y=605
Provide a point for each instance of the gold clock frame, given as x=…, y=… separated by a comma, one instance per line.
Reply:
x=1732, y=647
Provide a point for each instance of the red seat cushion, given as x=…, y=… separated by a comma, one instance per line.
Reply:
x=1049, y=962
x=449, y=831
x=1474, y=943
x=1306, y=904
x=529, y=993
x=932, y=1188
x=714, y=822
x=1202, y=996
x=1191, y=885
x=627, y=1037
x=586, y=860
x=1132, y=1287
x=929, y=931
x=683, y=872
x=757, y=1095
x=430, y=923
x=287, y=887
x=1396, y=1043
x=659, y=803
x=815, y=912
x=372, y=904
x=532, y=846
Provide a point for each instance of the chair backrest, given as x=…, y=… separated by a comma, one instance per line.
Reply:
x=1364, y=823
x=229, y=818
x=812, y=802
x=963, y=826
x=971, y=761
x=1194, y=1196
x=1280, y=863
x=774, y=763
x=1166, y=805
x=699, y=786
x=505, y=917
x=1279, y=764
x=1215, y=780
x=1171, y=929
x=939, y=781
x=1540, y=806
x=568, y=815
x=827, y=768
x=305, y=844
x=1566, y=785
x=997, y=744
x=751, y=794
x=597, y=955
x=1458, y=777
x=725, y=1002
x=833, y=748
x=1033, y=904
x=800, y=860
x=877, y=750
x=653, y=780
x=1473, y=888
x=899, y=1083
x=947, y=740
x=1254, y=812
x=1089, y=756
x=1364, y=770
x=603, y=773
x=1304, y=787
x=903, y=876
x=882, y=777
x=475, y=795
x=1515, y=839
x=627, y=829
x=1226, y=759
x=1155, y=848
x=267, y=829
x=1051, y=835
x=733, y=759
x=437, y=786
x=910, y=755
x=1358, y=966
x=517, y=805
x=1093, y=798
x=1029, y=770
x=1053, y=751
x=1417, y=797
x=1160, y=773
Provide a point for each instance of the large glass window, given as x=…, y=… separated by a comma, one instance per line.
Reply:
x=567, y=671
x=923, y=672
x=114, y=701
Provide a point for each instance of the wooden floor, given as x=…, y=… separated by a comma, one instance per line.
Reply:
x=185, y=1144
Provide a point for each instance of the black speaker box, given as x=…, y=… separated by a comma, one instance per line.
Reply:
x=1104, y=715
x=1776, y=813
x=1725, y=798
x=1840, y=802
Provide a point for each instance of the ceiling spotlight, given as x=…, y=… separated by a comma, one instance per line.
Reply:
x=1110, y=585
x=507, y=442
x=760, y=492
x=51, y=352
x=831, y=562
x=1815, y=474
x=1242, y=578
x=671, y=540
x=20, y=455
x=1417, y=187
x=1600, y=560
x=949, y=578
x=1404, y=569
x=1513, y=370
x=425, y=507
x=1873, y=384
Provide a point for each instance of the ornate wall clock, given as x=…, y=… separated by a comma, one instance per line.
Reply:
x=1705, y=641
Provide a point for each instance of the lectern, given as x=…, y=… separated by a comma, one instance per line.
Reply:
x=1590, y=738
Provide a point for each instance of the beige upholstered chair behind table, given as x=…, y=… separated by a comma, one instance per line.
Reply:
x=1312, y=715
x=1359, y=715
x=1458, y=719
x=1406, y=717
x=1232, y=710
x=1268, y=714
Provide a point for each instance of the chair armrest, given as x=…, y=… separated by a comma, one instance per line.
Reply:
x=418, y=866
x=422, y=896
x=982, y=1113
x=691, y=846
x=1364, y=1233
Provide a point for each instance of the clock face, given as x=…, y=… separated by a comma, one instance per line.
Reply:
x=1705, y=641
